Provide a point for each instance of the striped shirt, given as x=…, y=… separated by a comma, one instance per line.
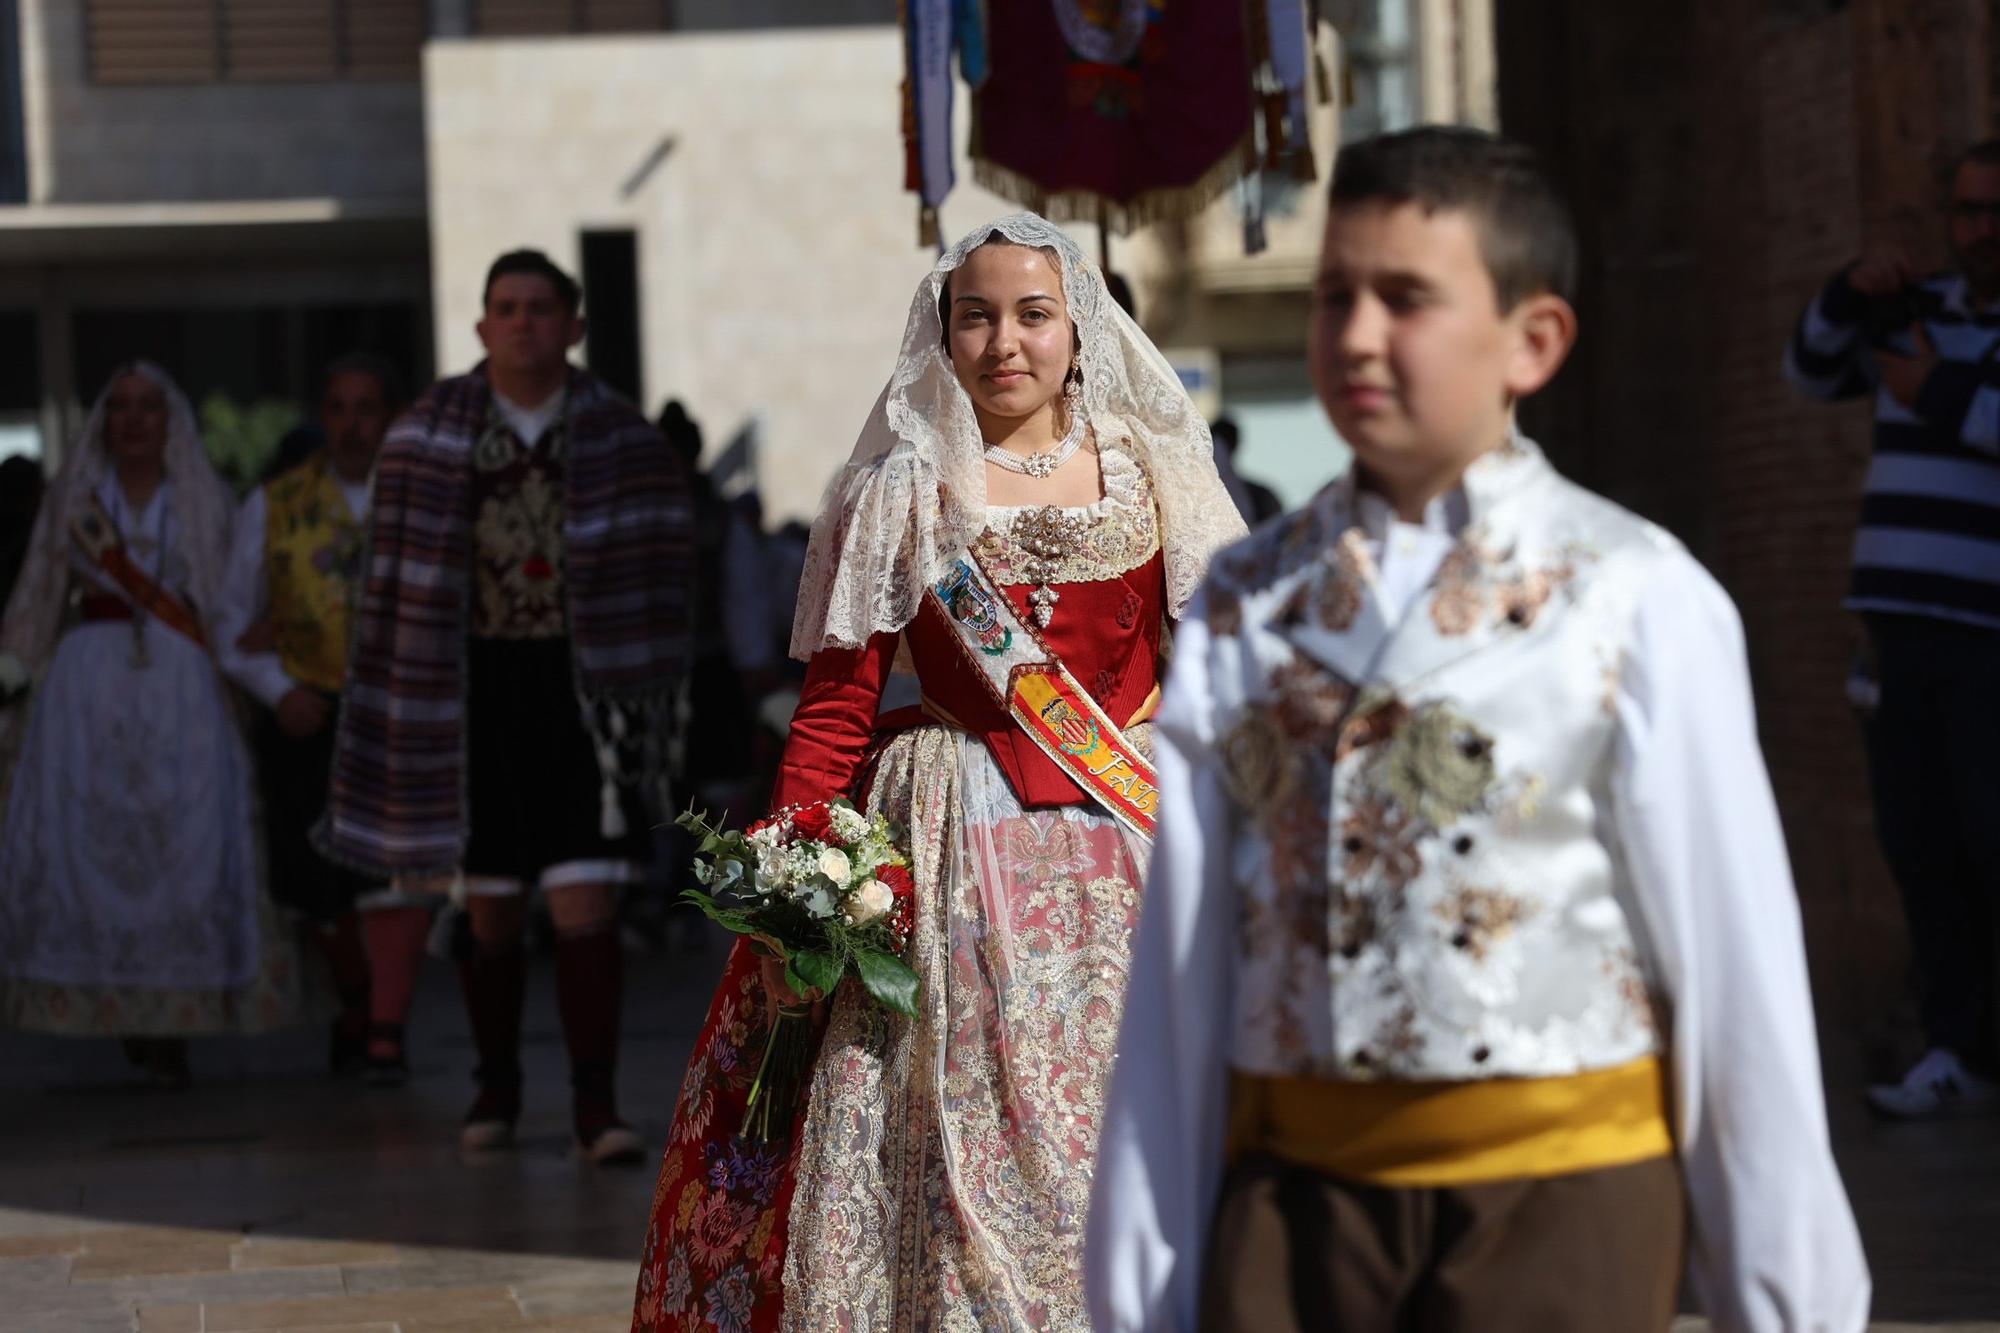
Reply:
x=1929, y=537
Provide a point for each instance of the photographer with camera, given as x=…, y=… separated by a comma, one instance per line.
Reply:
x=1926, y=578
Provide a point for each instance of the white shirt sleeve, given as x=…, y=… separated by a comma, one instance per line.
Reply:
x=1160, y=1155
x=1774, y=1247
x=245, y=596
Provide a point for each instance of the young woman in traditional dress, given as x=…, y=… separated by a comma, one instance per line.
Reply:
x=129, y=897
x=1032, y=500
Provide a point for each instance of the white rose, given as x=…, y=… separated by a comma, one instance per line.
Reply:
x=868, y=903
x=849, y=824
x=819, y=904
x=771, y=869
x=833, y=863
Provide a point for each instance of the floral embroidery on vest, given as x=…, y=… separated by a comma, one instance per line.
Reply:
x=1473, y=584
x=518, y=535
x=1340, y=596
x=313, y=554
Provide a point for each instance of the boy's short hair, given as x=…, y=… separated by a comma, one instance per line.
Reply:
x=1526, y=235
x=539, y=265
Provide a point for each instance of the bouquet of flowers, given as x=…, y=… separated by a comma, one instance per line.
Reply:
x=826, y=889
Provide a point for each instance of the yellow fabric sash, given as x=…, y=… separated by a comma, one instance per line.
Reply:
x=1427, y=1135
x=311, y=547
x=1044, y=700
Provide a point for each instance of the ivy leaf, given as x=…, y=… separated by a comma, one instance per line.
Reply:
x=889, y=979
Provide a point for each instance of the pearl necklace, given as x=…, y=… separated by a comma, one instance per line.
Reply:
x=1047, y=461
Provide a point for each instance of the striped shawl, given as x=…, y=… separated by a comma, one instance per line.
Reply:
x=397, y=798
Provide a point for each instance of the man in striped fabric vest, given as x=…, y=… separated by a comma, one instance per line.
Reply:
x=521, y=637
x=1927, y=579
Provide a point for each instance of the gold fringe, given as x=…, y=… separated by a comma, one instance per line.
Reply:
x=1172, y=204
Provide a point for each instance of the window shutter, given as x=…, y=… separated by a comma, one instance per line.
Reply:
x=152, y=41
x=269, y=41
x=384, y=38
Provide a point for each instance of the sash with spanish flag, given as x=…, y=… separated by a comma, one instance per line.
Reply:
x=1042, y=697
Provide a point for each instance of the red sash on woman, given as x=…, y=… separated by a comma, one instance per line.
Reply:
x=1028, y=680
x=97, y=535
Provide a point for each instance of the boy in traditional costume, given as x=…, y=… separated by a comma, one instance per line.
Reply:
x=294, y=570
x=521, y=636
x=1469, y=990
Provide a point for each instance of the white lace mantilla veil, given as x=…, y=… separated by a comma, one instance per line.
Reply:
x=202, y=510
x=913, y=492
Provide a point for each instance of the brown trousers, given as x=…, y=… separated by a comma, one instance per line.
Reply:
x=1297, y=1251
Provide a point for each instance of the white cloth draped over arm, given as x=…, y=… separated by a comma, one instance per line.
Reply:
x=1160, y=1153
x=1774, y=1247
x=245, y=597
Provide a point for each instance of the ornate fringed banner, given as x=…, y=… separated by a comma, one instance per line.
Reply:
x=1121, y=111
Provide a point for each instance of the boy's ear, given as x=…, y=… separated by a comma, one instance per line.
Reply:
x=1544, y=331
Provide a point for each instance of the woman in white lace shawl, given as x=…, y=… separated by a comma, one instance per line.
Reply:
x=937, y=1176
x=130, y=902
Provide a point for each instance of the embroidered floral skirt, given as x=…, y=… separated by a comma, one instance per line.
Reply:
x=131, y=897
x=938, y=1177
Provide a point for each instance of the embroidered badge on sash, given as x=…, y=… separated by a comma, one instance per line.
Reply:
x=972, y=606
x=1073, y=731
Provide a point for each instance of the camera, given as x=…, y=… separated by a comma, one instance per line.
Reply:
x=1885, y=316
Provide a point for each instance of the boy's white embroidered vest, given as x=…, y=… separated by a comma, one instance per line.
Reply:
x=1430, y=878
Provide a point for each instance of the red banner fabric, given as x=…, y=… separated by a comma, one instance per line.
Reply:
x=1137, y=111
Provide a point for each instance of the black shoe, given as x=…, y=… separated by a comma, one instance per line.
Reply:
x=167, y=1065
x=489, y=1125
x=614, y=1143
x=381, y=1068
x=345, y=1050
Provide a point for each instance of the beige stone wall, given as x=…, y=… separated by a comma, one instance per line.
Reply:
x=360, y=141
x=777, y=249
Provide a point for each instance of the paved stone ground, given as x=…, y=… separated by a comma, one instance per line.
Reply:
x=268, y=1198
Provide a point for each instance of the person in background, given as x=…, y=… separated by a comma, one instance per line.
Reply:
x=21, y=487
x=735, y=658
x=294, y=568
x=1254, y=501
x=522, y=635
x=129, y=894
x=1926, y=581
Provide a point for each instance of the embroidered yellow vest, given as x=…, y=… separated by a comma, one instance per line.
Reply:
x=312, y=557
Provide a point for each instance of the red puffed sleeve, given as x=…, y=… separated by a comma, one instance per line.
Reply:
x=834, y=723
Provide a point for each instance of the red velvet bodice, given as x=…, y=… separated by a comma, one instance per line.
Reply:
x=1107, y=633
